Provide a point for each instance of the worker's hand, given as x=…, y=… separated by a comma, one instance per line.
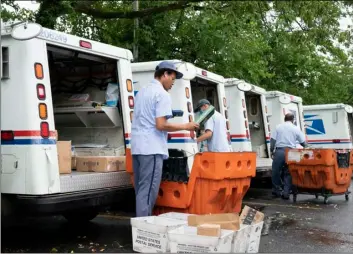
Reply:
x=191, y=126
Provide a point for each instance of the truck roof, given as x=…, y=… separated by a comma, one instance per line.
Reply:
x=325, y=106
x=256, y=89
x=64, y=39
x=272, y=94
x=151, y=66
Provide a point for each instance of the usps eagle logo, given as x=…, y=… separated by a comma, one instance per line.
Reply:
x=314, y=125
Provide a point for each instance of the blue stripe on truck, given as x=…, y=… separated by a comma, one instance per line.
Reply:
x=38, y=141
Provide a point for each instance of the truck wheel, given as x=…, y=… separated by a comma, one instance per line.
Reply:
x=80, y=216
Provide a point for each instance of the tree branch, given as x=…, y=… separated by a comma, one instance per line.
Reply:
x=86, y=8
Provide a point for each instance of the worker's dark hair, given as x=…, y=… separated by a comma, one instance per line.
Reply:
x=289, y=117
x=160, y=72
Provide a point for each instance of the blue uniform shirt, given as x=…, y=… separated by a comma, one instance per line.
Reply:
x=151, y=101
x=219, y=140
x=287, y=135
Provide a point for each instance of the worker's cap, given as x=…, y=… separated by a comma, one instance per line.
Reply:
x=167, y=65
x=201, y=103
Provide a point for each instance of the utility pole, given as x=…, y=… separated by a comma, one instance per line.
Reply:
x=135, y=5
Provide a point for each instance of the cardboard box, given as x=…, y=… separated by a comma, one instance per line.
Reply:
x=150, y=234
x=250, y=216
x=100, y=163
x=209, y=230
x=73, y=162
x=64, y=156
x=226, y=220
x=184, y=239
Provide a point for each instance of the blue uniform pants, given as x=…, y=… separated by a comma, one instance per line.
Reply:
x=278, y=166
x=147, y=179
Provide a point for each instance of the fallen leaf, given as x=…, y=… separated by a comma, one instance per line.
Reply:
x=54, y=250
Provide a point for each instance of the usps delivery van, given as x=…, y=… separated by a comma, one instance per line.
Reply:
x=329, y=125
x=279, y=104
x=196, y=84
x=250, y=127
x=53, y=82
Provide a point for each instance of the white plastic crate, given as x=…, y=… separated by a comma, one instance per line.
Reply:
x=241, y=238
x=177, y=216
x=254, y=238
x=150, y=234
x=185, y=240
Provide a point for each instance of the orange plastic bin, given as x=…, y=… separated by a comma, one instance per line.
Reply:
x=324, y=172
x=217, y=184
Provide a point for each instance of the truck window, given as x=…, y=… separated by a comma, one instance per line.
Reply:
x=5, y=68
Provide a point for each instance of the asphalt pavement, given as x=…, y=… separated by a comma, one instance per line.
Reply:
x=306, y=226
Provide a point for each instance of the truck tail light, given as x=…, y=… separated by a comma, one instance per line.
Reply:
x=38, y=70
x=189, y=107
x=7, y=135
x=247, y=134
x=244, y=112
x=43, y=113
x=243, y=102
x=187, y=92
x=246, y=124
x=190, y=118
x=226, y=113
x=85, y=44
x=41, y=92
x=224, y=102
x=44, y=129
x=192, y=134
x=129, y=85
x=227, y=125
x=131, y=115
x=131, y=101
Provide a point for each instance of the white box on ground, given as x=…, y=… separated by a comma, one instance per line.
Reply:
x=185, y=240
x=150, y=234
x=241, y=238
x=255, y=237
x=177, y=216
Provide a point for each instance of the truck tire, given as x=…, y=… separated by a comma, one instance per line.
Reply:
x=80, y=216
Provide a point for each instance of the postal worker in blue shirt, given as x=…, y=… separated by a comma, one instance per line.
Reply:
x=150, y=127
x=215, y=129
x=285, y=136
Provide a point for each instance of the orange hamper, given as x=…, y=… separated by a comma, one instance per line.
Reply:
x=324, y=172
x=217, y=184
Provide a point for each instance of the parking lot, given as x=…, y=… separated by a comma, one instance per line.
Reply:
x=307, y=226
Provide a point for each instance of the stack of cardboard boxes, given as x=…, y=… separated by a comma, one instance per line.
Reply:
x=222, y=233
x=68, y=161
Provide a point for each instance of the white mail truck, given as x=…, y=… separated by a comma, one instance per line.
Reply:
x=250, y=128
x=329, y=125
x=53, y=82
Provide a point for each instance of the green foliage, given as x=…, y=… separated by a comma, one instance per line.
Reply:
x=290, y=46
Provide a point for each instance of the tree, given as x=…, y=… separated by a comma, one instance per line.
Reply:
x=279, y=45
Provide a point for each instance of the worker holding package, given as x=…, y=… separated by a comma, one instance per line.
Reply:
x=215, y=129
x=285, y=136
x=150, y=127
